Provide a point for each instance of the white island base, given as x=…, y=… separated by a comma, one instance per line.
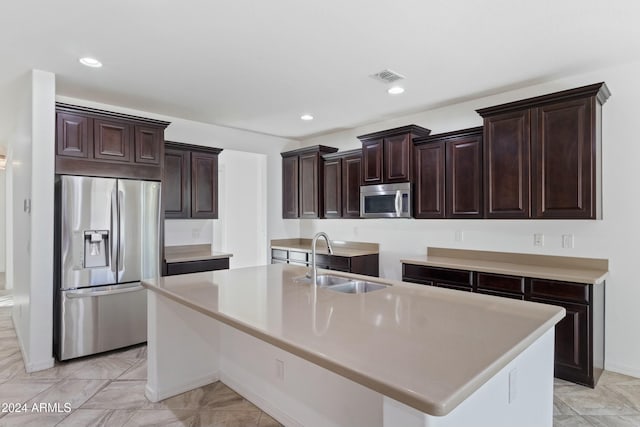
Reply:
x=188, y=349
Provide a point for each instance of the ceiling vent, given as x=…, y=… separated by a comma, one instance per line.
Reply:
x=387, y=76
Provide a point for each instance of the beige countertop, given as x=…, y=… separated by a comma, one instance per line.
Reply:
x=568, y=269
x=340, y=248
x=427, y=347
x=188, y=253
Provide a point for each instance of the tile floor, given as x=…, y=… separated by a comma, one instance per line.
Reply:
x=108, y=390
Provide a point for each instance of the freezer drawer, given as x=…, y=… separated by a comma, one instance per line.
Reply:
x=102, y=318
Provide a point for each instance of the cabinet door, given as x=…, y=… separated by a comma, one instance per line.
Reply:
x=112, y=140
x=506, y=161
x=204, y=185
x=564, y=168
x=351, y=179
x=290, y=187
x=430, y=180
x=464, y=178
x=397, y=155
x=72, y=135
x=372, y=161
x=572, y=361
x=310, y=182
x=148, y=142
x=332, y=188
x=176, y=189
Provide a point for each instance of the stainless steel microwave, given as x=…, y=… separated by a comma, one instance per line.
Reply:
x=385, y=201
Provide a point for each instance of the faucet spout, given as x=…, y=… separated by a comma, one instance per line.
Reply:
x=314, y=273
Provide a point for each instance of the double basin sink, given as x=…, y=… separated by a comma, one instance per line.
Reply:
x=347, y=285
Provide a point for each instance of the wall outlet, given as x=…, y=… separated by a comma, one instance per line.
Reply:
x=538, y=239
x=280, y=369
x=195, y=233
x=567, y=241
x=459, y=237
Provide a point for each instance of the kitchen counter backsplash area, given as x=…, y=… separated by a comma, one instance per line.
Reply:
x=188, y=232
x=340, y=247
x=186, y=253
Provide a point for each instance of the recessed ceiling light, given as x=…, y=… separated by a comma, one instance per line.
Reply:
x=395, y=90
x=306, y=117
x=90, y=62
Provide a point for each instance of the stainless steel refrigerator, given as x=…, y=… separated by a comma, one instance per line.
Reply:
x=106, y=237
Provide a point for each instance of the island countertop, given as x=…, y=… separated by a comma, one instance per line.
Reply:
x=427, y=347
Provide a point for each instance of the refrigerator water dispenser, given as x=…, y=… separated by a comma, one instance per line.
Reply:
x=96, y=244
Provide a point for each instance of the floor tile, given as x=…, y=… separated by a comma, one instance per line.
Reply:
x=267, y=421
x=11, y=365
x=599, y=401
x=227, y=418
x=561, y=408
x=30, y=419
x=59, y=371
x=571, y=421
x=163, y=417
x=120, y=395
x=608, y=378
x=136, y=352
x=73, y=392
x=12, y=391
x=630, y=390
x=103, y=368
x=216, y=396
x=97, y=418
x=613, y=420
x=138, y=371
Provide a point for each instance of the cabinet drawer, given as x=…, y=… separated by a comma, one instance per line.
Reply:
x=502, y=294
x=333, y=262
x=466, y=288
x=501, y=283
x=445, y=275
x=197, y=266
x=567, y=291
x=279, y=254
x=278, y=261
x=298, y=257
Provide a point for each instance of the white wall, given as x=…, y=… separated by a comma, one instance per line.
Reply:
x=30, y=270
x=3, y=219
x=614, y=238
x=188, y=232
x=241, y=227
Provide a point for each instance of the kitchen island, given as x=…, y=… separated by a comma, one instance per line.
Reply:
x=403, y=355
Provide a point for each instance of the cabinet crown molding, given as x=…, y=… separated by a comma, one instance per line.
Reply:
x=341, y=154
x=599, y=90
x=321, y=149
x=95, y=112
x=474, y=131
x=192, y=147
x=415, y=130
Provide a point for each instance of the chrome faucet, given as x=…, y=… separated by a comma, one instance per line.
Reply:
x=313, y=273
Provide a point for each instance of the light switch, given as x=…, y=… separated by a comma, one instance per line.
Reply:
x=567, y=241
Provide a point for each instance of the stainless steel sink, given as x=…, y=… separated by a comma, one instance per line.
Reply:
x=343, y=284
x=326, y=280
x=357, y=287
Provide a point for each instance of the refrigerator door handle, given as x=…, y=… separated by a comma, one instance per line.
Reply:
x=121, y=231
x=115, y=235
x=80, y=294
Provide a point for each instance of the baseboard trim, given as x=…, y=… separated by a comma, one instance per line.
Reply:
x=158, y=395
x=31, y=366
x=259, y=401
x=624, y=370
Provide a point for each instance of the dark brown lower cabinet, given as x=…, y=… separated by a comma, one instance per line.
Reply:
x=174, y=268
x=363, y=264
x=579, y=337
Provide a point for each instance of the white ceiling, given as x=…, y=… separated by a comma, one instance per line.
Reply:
x=260, y=64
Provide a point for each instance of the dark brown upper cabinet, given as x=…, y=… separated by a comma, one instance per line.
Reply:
x=448, y=175
x=190, y=182
x=542, y=155
x=387, y=156
x=342, y=176
x=303, y=182
x=102, y=143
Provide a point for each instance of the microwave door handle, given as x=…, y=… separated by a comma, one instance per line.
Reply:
x=398, y=202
